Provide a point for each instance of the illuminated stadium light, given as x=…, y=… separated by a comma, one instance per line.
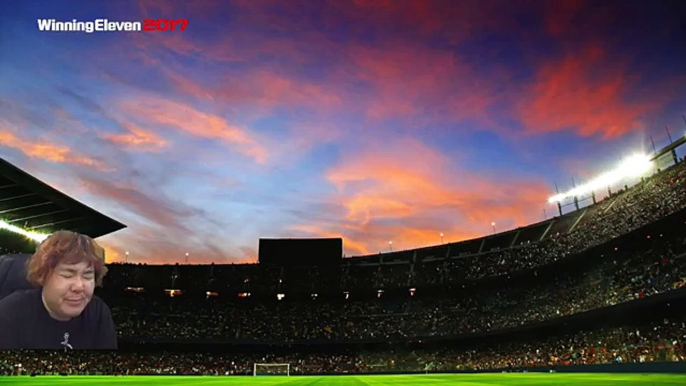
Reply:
x=173, y=292
x=280, y=296
x=633, y=166
x=38, y=237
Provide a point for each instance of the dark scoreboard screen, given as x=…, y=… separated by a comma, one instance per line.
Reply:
x=301, y=252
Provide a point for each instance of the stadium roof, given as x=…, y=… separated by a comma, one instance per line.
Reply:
x=29, y=203
x=669, y=147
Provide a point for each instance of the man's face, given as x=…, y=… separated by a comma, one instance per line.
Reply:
x=68, y=290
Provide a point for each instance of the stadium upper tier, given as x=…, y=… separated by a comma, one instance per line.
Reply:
x=657, y=196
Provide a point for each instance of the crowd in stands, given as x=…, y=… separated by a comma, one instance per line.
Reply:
x=656, y=197
x=611, y=280
x=661, y=340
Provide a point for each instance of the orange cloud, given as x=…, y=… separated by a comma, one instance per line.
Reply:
x=158, y=111
x=352, y=245
x=261, y=89
x=366, y=239
x=47, y=151
x=389, y=195
x=164, y=251
x=137, y=139
x=112, y=254
x=584, y=92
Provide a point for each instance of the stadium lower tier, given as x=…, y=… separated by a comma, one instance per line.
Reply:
x=658, y=340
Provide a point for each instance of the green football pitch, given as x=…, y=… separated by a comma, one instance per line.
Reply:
x=558, y=379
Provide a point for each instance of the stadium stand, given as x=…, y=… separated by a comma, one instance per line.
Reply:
x=602, y=285
x=605, y=281
x=595, y=276
x=646, y=342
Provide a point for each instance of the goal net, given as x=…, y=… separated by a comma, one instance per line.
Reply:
x=271, y=369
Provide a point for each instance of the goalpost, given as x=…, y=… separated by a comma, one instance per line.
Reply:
x=271, y=369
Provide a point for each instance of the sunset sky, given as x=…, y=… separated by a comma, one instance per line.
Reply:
x=367, y=120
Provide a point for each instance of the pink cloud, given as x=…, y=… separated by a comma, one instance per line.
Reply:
x=48, y=151
x=137, y=139
x=388, y=195
x=159, y=111
x=410, y=80
x=584, y=91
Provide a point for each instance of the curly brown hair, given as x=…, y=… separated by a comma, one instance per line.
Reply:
x=65, y=247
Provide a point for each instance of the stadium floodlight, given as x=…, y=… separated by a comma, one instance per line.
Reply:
x=633, y=166
x=39, y=237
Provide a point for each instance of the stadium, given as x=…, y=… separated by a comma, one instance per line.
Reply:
x=601, y=289
x=349, y=192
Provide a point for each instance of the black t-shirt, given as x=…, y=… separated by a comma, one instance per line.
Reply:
x=26, y=324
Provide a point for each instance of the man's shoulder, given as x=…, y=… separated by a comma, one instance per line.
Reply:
x=96, y=307
x=18, y=300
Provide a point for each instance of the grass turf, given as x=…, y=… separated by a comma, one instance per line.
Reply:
x=536, y=379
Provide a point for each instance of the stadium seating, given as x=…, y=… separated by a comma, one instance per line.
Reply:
x=605, y=281
x=564, y=294
x=659, y=340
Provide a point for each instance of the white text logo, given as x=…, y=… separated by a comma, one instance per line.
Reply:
x=105, y=25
